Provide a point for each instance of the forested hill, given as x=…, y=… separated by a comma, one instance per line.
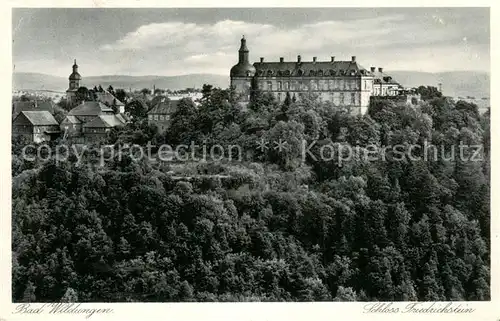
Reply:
x=275, y=228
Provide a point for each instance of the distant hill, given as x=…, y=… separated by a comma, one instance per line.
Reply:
x=35, y=81
x=455, y=83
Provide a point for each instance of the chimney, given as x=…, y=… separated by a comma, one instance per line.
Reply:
x=353, y=58
x=333, y=58
x=380, y=69
x=261, y=59
x=281, y=59
x=372, y=69
x=314, y=59
x=298, y=58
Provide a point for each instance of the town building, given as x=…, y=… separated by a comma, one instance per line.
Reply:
x=90, y=119
x=343, y=83
x=35, y=126
x=103, y=96
x=161, y=113
x=100, y=126
x=109, y=99
x=31, y=105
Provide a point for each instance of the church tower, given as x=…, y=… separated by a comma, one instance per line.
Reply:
x=74, y=83
x=243, y=72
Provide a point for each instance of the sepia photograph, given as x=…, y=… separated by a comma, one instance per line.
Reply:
x=251, y=155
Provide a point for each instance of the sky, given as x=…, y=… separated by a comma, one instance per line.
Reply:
x=168, y=41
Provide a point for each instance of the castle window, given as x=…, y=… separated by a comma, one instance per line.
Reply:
x=332, y=72
x=311, y=73
x=342, y=102
x=287, y=85
x=167, y=117
x=269, y=85
x=161, y=117
x=300, y=72
x=280, y=85
x=269, y=73
x=353, y=99
x=279, y=96
x=320, y=73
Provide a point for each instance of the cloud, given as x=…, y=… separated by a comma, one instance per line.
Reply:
x=395, y=41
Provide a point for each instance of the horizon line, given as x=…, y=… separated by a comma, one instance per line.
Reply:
x=215, y=74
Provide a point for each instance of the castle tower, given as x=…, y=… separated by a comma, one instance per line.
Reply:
x=243, y=72
x=74, y=83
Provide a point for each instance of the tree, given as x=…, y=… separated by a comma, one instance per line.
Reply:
x=121, y=95
x=137, y=108
x=82, y=94
x=70, y=296
x=145, y=91
x=428, y=92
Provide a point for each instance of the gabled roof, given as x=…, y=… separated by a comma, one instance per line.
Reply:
x=20, y=106
x=166, y=107
x=304, y=68
x=89, y=108
x=40, y=118
x=104, y=121
x=107, y=97
x=72, y=119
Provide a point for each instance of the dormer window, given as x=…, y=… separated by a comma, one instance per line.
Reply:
x=300, y=72
x=332, y=72
x=287, y=73
x=312, y=73
x=320, y=73
x=280, y=73
x=269, y=73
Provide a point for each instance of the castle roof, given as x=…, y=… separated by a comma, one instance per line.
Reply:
x=382, y=77
x=40, y=118
x=104, y=121
x=310, y=68
x=165, y=107
x=90, y=108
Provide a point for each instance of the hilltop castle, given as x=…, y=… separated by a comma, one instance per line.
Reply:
x=344, y=83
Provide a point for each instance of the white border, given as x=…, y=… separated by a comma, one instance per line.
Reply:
x=231, y=311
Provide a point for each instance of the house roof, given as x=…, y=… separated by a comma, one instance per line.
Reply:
x=20, y=106
x=40, y=118
x=104, y=121
x=304, y=68
x=107, y=97
x=72, y=119
x=89, y=108
x=165, y=107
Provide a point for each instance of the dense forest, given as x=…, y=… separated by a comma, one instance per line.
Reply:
x=270, y=227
